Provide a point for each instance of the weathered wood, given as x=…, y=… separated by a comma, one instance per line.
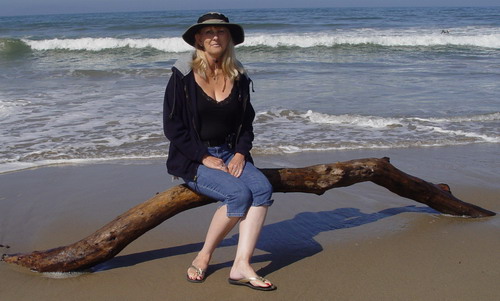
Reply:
x=108, y=241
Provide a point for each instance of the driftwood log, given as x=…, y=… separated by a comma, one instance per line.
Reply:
x=108, y=241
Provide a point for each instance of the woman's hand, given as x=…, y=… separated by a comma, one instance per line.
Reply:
x=236, y=165
x=215, y=163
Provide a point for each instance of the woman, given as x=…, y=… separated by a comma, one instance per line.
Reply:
x=208, y=120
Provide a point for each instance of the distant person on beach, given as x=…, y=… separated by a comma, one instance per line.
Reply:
x=208, y=119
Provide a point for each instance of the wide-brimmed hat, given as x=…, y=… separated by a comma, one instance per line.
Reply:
x=214, y=19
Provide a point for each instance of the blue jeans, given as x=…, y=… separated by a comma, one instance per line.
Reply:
x=252, y=188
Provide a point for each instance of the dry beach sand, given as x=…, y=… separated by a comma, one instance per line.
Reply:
x=355, y=243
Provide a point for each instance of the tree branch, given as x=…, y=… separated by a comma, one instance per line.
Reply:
x=108, y=241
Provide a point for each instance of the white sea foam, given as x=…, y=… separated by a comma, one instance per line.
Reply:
x=12, y=165
x=63, y=275
x=9, y=107
x=355, y=120
x=458, y=133
x=302, y=132
x=83, y=135
x=460, y=37
x=475, y=118
x=99, y=44
x=4, y=109
x=390, y=38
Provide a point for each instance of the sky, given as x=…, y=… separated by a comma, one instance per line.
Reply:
x=39, y=7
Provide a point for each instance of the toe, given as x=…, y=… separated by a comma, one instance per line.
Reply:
x=195, y=273
x=262, y=282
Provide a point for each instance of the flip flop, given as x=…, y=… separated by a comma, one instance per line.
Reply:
x=246, y=282
x=199, y=273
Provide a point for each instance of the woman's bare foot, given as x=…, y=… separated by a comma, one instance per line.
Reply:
x=243, y=270
x=196, y=272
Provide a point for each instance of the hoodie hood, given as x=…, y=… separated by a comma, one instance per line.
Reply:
x=183, y=64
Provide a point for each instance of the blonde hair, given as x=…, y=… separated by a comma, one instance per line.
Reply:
x=230, y=66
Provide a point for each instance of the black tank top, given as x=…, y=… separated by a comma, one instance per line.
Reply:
x=220, y=119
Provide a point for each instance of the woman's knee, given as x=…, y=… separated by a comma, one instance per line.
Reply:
x=262, y=194
x=240, y=193
x=239, y=202
x=262, y=188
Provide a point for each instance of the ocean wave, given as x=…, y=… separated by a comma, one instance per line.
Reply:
x=121, y=73
x=473, y=118
x=302, y=132
x=99, y=44
x=490, y=39
x=487, y=39
x=78, y=138
x=13, y=165
x=381, y=122
x=13, y=47
x=356, y=120
x=10, y=107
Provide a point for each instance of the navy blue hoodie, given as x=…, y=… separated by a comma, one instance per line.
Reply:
x=181, y=124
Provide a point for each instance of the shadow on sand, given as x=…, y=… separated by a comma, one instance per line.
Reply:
x=284, y=243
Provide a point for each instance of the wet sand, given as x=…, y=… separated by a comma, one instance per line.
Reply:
x=356, y=243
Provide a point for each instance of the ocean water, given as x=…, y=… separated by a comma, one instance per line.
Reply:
x=89, y=87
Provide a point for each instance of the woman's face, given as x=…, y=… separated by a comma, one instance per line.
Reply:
x=213, y=40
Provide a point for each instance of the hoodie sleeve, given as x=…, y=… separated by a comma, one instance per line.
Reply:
x=176, y=125
x=246, y=135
